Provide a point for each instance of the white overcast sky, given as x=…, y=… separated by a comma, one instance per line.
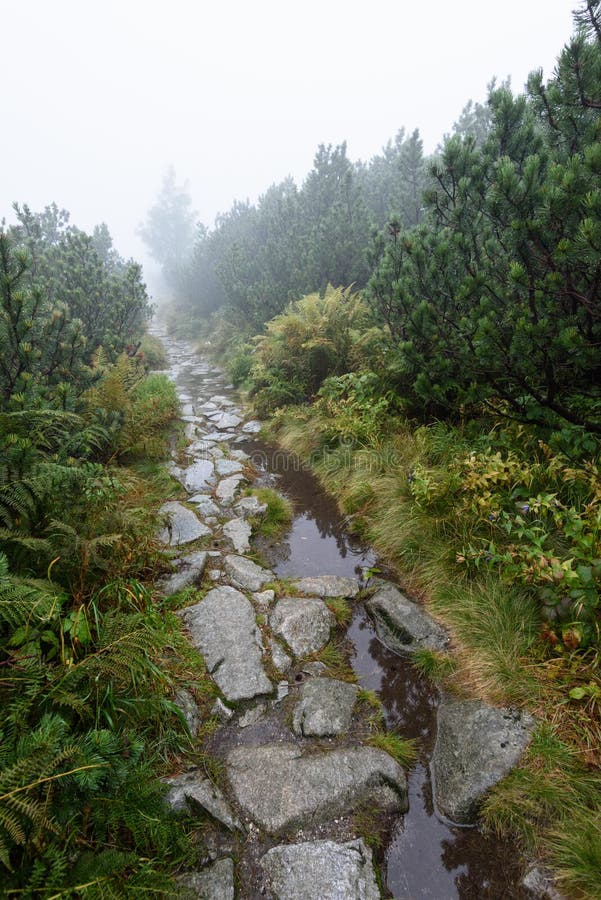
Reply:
x=99, y=97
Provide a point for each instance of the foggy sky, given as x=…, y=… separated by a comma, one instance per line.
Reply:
x=99, y=98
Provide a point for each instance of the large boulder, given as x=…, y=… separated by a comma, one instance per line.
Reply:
x=321, y=869
x=402, y=624
x=324, y=707
x=476, y=746
x=303, y=622
x=279, y=788
x=224, y=629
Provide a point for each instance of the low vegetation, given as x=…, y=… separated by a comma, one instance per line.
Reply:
x=88, y=657
x=450, y=400
x=276, y=519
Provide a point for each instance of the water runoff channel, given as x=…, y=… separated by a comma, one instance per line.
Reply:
x=424, y=856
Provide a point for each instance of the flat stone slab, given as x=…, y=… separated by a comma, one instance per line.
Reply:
x=226, y=420
x=205, y=505
x=224, y=629
x=246, y=574
x=200, y=448
x=193, y=792
x=476, y=746
x=327, y=586
x=182, y=525
x=324, y=707
x=189, y=572
x=199, y=476
x=228, y=466
x=303, y=622
x=403, y=625
x=238, y=531
x=175, y=471
x=219, y=437
x=216, y=882
x=226, y=489
x=252, y=427
x=279, y=788
x=321, y=869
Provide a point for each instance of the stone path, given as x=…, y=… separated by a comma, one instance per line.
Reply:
x=299, y=774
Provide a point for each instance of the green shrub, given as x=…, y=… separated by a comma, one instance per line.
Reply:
x=152, y=353
x=312, y=339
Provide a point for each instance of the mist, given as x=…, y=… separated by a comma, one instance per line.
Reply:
x=104, y=97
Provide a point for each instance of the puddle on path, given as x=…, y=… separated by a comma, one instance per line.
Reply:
x=425, y=858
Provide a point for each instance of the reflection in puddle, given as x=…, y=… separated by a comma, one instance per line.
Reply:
x=425, y=858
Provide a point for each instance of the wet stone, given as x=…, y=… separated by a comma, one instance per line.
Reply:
x=191, y=431
x=223, y=628
x=193, y=792
x=402, y=624
x=283, y=691
x=228, y=466
x=246, y=574
x=252, y=427
x=321, y=869
x=279, y=788
x=315, y=668
x=240, y=455
x=200, y=448
x=325, y=707
x=476, y=746
x=252, y=715
x=263, y=600
x=303, y=622
x=219, y=436
x=182, y=526
x=223, y=712
x=250, y=506
x=280, y=658
x=215, y=882
x=205, y=505
x=540, y=885
x=227, y=420
x=199, y=476
x=226, y=489
x=189, y=572
x=238, y=532
x=327, y=586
